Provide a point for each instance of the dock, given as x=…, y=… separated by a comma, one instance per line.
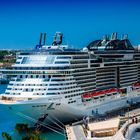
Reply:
x=108, y=129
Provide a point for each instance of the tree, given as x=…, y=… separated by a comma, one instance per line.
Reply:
x=6, y=135
x=21, y=127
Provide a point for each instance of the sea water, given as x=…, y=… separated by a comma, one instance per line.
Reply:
x=9, y=126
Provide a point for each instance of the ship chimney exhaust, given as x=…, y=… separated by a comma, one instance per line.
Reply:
x=125, y=36
x=58, y=38
x=105, y=37
x=44, y=39
x=114, y=36
x=40, y=41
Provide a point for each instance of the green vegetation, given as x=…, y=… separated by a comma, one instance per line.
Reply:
x=8, y=60
x=3, y=53
x=29, y=134
x=26, y=133
x=7, y=57
x=21, y=128
x=32, y=136
x=6, y=136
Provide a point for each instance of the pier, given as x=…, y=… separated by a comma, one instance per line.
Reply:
x=119, y=128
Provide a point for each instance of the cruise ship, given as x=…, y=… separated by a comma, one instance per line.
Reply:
x=55, y=82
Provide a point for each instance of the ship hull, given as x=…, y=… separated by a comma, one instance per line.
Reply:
x=59, y=113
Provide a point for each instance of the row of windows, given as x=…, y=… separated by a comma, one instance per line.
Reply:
x=70, y=102
x=80, y=74
x=81, y=78
x=105, y=80
x=61, y=79
x=105, y=83
x=78, y=66
x=128, y=74
x=127, y=78
x=132, y=71
x=73, y=95
x=61, y=62
x=95, y=65
x=104, y=74
x=86, y=85
x=79, y=62
x=26, y=89
x=85, y=77
x=129, y=65
x=39, y=93
x=42, y=68
x=84, y=70
x=105, y=70
x=28, y=84
x=104, y=77
x=15, y=93
x=89, y=88
x=17, y=62
x=63, y=57
x=40, y=89
x=128, y=69
x=109, y=85
x=81, y=57
x=130, y=81
x=71, y=91
x=86, y=81
x=19, y=57
x=65, y=88
x=62, y=84
x=17, y=89
x=52, y=93
x=34, y=76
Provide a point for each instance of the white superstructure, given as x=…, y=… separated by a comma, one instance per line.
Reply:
x=66, y=84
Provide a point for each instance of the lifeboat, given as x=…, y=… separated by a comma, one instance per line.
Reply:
x=136, y=85
x=87, y=95
x=98, y=93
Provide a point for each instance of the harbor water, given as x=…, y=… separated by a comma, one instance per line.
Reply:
x=9, y=126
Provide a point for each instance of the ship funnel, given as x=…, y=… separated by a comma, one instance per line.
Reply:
x=105, y=37
x=40, y=41
x=108, y=37
x=44, y=39
x=104, y=40
x=114, y=36
x=58, y=38
x=124, y=36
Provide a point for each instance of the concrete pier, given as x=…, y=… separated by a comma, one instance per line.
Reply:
x=107, y=129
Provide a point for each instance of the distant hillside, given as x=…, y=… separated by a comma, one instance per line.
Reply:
x=7, y=58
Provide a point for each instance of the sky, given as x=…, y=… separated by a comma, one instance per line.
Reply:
x=81, y=21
